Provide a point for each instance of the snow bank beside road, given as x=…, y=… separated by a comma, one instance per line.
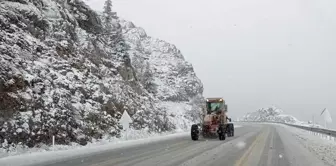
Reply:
x=129, y=138
x=125, y=136
x=52, y=156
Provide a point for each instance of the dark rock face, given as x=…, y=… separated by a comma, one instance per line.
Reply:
x=62, y=76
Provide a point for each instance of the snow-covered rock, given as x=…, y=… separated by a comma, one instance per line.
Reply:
x=271, y=114
x=61, y=74
x=174, y=77
x=274, y=114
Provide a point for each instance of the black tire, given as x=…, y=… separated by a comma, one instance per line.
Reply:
x=222, y=132
x=222, y=137
x=194, y=132
x=230, y=130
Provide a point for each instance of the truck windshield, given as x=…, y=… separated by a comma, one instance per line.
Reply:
x=214, y=107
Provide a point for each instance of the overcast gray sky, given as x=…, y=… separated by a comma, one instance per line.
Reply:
x=254, y=53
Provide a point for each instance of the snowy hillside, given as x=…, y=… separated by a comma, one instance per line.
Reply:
x=274, y=114
x=65, y=73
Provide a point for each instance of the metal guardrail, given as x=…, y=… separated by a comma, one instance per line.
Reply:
x=331, y=133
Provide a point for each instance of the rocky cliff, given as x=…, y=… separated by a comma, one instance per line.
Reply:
x=62, y=75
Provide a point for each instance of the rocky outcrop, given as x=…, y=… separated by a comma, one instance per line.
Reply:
x=61, y=75
x=163, y=71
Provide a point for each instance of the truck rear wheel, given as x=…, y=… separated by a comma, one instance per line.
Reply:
x=230, y=130
x=232, y=134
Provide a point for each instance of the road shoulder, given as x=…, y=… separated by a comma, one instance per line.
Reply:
x=297, y=154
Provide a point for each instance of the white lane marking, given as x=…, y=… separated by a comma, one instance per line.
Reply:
x=270, y=151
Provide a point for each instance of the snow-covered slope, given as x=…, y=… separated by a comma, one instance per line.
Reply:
x=62, y=75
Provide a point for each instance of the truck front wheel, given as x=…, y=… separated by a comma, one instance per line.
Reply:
x=222, y=132
x=194, y=132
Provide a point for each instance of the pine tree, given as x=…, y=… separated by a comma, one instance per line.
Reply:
x=137, y=63
x=121, y=48
x=89, y=45
x=148, y=80
x=110, y=17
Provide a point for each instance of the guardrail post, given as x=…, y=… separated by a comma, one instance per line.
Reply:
x=53, y=142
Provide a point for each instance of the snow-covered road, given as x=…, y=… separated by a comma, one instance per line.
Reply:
x=253, y=145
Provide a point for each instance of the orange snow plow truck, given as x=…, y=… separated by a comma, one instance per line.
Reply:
x=215, y=123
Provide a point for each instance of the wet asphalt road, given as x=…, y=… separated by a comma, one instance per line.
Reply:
x=252, y=145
